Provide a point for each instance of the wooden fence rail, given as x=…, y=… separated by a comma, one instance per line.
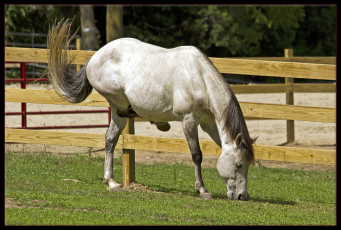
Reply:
x=282, y=67
x=316, y=60
x=135, y=142
x=224, y=65
x=282, y=88
x=259, y=110
x=275, y=68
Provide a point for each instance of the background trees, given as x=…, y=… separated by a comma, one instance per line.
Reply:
x=218, y=30
x=89, y=30
x=222, y=31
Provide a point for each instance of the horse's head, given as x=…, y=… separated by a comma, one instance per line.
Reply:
x=233, y=165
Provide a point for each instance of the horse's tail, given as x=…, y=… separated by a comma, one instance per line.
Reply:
x=71, y=85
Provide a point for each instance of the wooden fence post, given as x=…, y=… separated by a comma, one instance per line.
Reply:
x=128, y=156
x=288, y=53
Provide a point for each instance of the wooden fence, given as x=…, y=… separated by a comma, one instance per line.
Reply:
x=275, y=67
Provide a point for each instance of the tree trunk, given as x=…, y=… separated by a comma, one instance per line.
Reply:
x=89, y=30
x=114, y=22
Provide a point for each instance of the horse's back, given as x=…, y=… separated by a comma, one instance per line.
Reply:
x=155, y=81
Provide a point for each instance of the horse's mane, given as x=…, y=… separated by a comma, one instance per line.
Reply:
x=234, y=123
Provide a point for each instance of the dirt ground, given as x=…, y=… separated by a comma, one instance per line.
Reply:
x=269, y=132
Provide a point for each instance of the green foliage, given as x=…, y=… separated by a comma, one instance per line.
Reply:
x=26, y=18
x=166, y=26
x=219, y=30
x=36, y=19
x=67, y=190
x=240, y=31
x=317, y=35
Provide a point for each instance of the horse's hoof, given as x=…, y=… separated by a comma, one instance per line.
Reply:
x=113, y=186
x=117, y=188
x=205, y=196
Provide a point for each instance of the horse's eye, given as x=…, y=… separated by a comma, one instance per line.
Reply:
x=239, y=165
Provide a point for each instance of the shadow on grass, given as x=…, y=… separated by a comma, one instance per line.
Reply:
x=174, y=191
x=167, y=190
x=261, y=200
x=194, y=194
x=220, y=196
x=273, y=201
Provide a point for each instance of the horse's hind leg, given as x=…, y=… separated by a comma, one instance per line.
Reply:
x=191, y=133
x=116, y=126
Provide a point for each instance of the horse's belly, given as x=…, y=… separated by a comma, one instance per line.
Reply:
x=158, y=116
x=153, y=109
x=152, y=104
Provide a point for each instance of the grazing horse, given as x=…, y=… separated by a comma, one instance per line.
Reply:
x=160, y=85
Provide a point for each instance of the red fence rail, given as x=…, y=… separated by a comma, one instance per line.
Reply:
x=24, y=111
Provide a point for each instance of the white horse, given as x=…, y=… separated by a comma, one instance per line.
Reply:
x=160, y=85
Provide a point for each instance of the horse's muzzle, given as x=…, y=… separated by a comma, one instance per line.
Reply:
x=238, y=196
x=244, y=197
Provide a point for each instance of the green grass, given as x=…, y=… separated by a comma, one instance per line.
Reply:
x=278, y=197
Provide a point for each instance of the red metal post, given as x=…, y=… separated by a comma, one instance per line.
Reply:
x=23, y=86
x=24, y=112
x=109, y=116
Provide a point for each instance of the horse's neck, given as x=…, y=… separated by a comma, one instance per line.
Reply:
x=219, y=98
x=217, y=92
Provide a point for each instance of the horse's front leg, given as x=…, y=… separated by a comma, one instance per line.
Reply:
x=116, y=126
x=190, y=128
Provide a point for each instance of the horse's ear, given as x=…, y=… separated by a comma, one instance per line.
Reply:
x=238, y=140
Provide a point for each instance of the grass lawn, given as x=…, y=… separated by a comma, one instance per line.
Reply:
x=45, y=189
